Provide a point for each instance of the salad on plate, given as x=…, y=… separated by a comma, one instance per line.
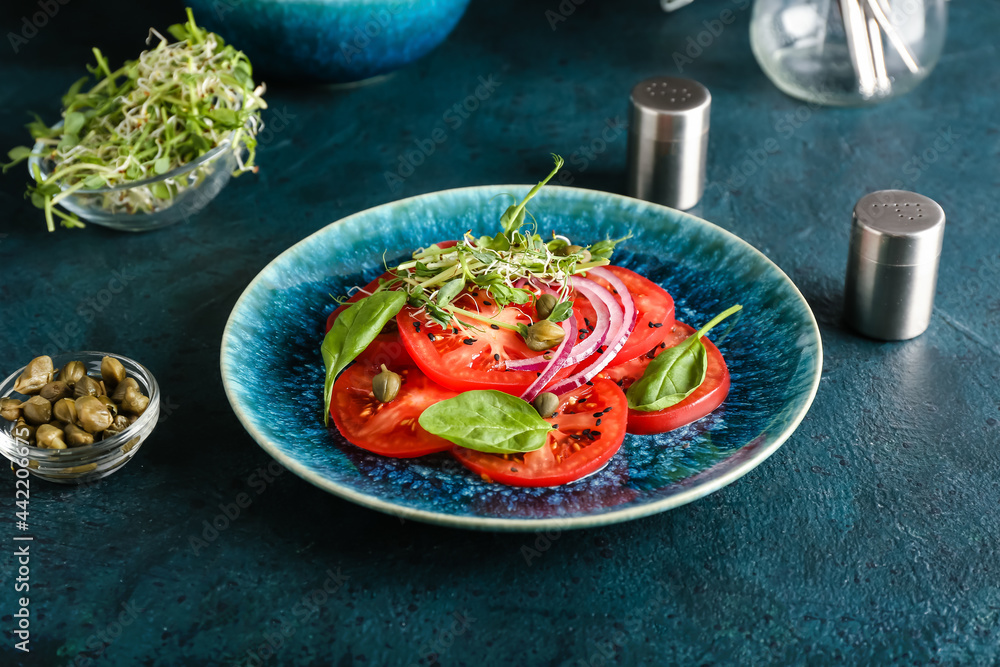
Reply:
x=527, y=359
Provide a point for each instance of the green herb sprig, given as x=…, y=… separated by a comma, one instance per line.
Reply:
x=154, y=114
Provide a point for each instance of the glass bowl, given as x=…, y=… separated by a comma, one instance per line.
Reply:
x=151, y=203
x=80, y=465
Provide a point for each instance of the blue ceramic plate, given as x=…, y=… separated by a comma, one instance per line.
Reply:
x=273, y=373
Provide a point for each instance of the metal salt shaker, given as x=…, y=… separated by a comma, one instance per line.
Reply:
x=893, y=264
x=668, y=141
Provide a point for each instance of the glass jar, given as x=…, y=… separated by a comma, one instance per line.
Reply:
x=847, y=52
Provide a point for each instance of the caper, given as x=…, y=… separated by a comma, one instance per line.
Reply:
x=134, y=402
x=118, y=395
x=10, y=409
x=112, y=372
x=50, y=437
x=386, y=385
x=546, y=403
x=544, y=335
x=120, y=423
x=37, y=410
x=92, y=415
x=55, y=390
x=109, y=404
x=36, y=375
x=87, y=386
x=77, y=437
x=65, y=410
x=72, y=372
x=24, y=432
x=544, y=305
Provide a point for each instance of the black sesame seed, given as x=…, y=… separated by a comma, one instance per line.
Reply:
x=555, y=426
x=538, y=373
x=590, y=383
x=598, y=422
x=494, y=326
x=454, y=330
x=663, y=345
x=656, y=325
x=608, y=409
x=598, y=414
x=469, y=341
x=649, y=324
x=486, y=303
x=587, y=322
x=595, y=434
x=496, y=357
x=582, y=335
x=431, y=336
x=416, y=325
x=575, y=436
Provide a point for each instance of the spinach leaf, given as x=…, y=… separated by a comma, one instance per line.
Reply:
x=352, y=331
x=675, y=373
x=487, y=421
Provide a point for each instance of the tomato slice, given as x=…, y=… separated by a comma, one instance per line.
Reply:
x=655, y=309
x=590, y=428
x=705, y=399
x=464, y=357
x=390, y=429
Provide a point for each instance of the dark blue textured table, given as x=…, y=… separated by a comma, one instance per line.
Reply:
x=871, y=537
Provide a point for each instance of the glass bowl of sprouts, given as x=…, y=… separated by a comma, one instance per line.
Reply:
x=151, y=143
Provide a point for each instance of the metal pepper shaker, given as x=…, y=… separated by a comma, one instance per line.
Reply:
x=668, y=141
x=892, y=267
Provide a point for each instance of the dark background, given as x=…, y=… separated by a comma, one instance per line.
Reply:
x=871, y=537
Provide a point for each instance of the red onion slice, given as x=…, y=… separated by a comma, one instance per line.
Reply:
x=604, y=304
x=558, y=360
x=616, y=336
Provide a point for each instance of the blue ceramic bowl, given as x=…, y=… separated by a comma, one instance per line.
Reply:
x=331, y=41
x=273, y=373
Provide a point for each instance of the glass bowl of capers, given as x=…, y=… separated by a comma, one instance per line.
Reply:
x=77, y=417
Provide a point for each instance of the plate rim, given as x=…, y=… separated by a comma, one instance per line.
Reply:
x=505, y=524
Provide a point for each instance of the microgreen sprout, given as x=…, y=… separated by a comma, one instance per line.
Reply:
x=152, y=115
x=510, y=267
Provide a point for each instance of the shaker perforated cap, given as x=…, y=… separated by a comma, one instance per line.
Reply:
x=669, y=119
x=896, y=239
